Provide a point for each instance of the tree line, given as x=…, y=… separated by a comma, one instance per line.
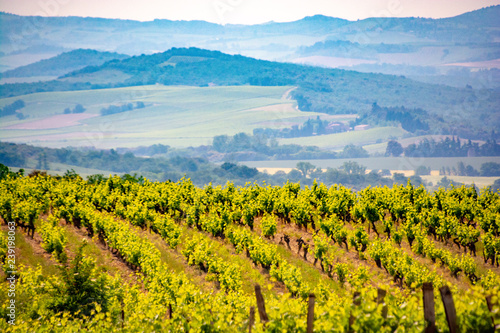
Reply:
x=112, y=109
x=310, y=127
x=444, y=148
x=13, y=108
x=174, y=168
x=260, y=146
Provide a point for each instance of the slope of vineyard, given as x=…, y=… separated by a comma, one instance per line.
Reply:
x=149, y=256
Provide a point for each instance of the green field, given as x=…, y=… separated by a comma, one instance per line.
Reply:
x=380, y=163
x=338, y=141
x=176, y=116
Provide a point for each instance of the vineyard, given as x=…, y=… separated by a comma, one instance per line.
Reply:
x=122, y=255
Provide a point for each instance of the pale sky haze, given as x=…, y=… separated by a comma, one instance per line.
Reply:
x=242, y=11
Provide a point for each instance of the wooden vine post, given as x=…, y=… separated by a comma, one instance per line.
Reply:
x=251, y=319
x=490, y=308
x=380, y=299
x=429, y=312
x=356, y=300
x=428, y=301
x=260, y=304
x=122, y=312
x=449, y=308
x=169, y=312
x=310, y=313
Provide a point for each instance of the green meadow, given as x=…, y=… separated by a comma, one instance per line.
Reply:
x=338, y=141
x=178, y=116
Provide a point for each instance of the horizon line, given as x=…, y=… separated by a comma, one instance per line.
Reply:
x=246, y=24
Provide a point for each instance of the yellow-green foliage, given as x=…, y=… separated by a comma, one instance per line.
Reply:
x=114, y=211
x=54, y=239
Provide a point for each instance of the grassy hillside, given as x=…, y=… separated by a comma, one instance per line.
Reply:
x=175, y=116
x=338, y=141
x=63, y=63
x=330, y=91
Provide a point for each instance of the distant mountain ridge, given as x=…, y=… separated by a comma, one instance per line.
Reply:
x=486, y=16
x=476, y=25
x=64, y=63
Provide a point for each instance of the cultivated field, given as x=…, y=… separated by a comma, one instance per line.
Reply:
x=175, y=116
x=338, y=141
x=173, y=257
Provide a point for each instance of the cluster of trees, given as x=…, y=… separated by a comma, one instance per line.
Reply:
x=411, y=120
x=112, y=109
x=488, y=169
x=77, y=109
x=199, y=170
x=18, y=89
x=354, y=175
x=444, y=148
x=242, y=146
x=203, y=172
x=242, y=142
x=240, y=171
x=11, y=156
x=309, y=128
x=147, y=151
x=42, y=162
x=11, y=109
x=353, y=151
x=460, y=170
x=5, y=172
x=350, y=174
x=423, y=171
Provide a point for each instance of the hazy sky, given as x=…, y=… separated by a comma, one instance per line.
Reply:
x=242, y=11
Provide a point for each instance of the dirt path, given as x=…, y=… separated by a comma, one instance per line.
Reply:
x=461, y=281
x=251, y=274
x=479, y=260
x=352, y=257
x=112, y=263
x=286, y=95
x=30, y=252
x=342, y=255
x=176, y=261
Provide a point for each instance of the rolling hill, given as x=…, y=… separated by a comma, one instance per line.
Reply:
x=64, y=63
x=174, y=116
x=331, y=91
x=464, y=37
